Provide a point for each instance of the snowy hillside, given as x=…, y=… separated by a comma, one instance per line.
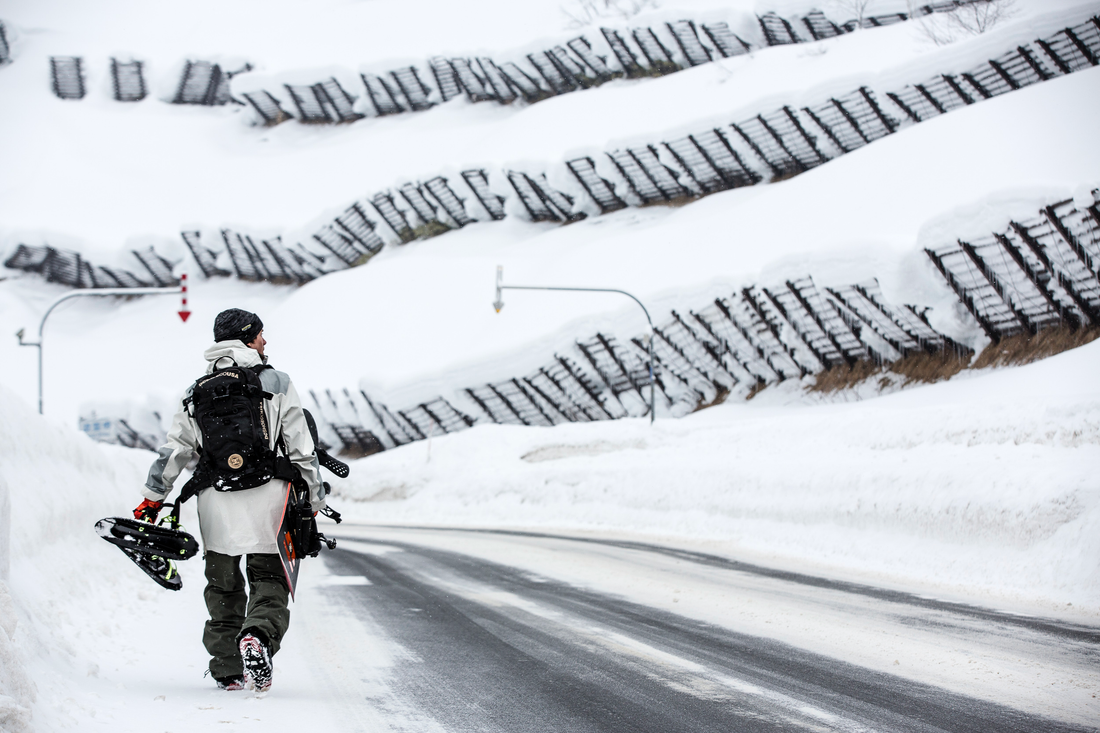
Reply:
x=979, y=489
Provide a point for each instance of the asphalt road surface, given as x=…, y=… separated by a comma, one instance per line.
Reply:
x=511, y=631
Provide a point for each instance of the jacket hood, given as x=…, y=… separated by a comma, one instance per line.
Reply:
x=235, y=350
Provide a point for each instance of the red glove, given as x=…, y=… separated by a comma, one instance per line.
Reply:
x=147, y=511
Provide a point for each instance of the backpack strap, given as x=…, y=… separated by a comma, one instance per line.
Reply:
x=224, y=357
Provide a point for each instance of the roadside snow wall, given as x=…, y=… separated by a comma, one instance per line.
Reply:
x=70, y=596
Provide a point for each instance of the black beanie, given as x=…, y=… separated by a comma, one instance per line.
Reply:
x=237, y=324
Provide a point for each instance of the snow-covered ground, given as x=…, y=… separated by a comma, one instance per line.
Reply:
x=981, y=489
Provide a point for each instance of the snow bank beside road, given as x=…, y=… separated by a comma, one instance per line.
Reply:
x=78, y=609
x=982, y=488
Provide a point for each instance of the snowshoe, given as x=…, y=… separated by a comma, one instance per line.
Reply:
x=163, y=572
x=146, y=538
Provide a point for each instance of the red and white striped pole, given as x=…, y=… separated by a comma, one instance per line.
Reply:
x=184, y=313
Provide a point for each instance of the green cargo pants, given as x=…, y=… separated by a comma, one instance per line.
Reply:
x=231, y=611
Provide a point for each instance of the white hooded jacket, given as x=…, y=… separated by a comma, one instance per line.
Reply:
x=241, y=522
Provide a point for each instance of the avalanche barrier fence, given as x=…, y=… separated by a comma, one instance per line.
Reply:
x=768, y=147
x=1042, y=272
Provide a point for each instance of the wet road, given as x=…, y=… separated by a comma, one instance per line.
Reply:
x=518, y=632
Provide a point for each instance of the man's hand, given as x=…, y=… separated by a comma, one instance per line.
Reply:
x=147, y=511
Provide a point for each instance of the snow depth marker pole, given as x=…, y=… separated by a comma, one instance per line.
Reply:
x=96, y=293
x=184, y=313
x=499, y=303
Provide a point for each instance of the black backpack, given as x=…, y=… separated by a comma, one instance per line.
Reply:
x=228, y=407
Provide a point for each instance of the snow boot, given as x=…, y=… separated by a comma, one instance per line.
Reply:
x=231, y=683
x=256, y=659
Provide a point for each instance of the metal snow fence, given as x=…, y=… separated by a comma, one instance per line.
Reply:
x=558, y=78
x=680, y=381
x=356, y=224
x=449, y=200
x=1017, y=281
x=647, y=177
x=563, y=387
x=710, y=162
x=207, y=84
x=611, y=364
x=726, y=41
x=473, y=84
x=357, y=442
x=733, y=352
x=446, y=80
x=812, y=340
x=27, y=258
x=436, y=417
x=502, y=89
x=127, y=80
x=283, y=264
x=683, y=31
x=853, y=120
x=393, y=216
x=244, y=256
x=267, y=106
x=749, y=339
x=596, y=64
x=478, y=181
x=5, y=49
x=205, y=258
x=657, y=55
x=67, y=77
x=821, y=27
x=512, y=403
x=977, y=288
x=627, y=60
x=861, y=300
x=777, y=31
x=414, y=196
x=323, y=102
x=542, y=202
x=341, y=244
x=781, y=141
x=702, y=350
x=584, y=169
x=1055, y=239
x=158, y=267
x=802, y=299
x=339, y=105
x=69, y=268
x=310, y=108
x=524, y=83
x=392, y=428
x=382, y=97
x=415, y=91
x=1076, y=48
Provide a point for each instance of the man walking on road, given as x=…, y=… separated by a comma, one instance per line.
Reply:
x=242, y=489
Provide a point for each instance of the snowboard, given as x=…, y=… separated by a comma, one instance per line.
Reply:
x=284, y=539
x=151, y=547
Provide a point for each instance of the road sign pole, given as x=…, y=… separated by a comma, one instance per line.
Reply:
x=94, y=293
x=499, y=303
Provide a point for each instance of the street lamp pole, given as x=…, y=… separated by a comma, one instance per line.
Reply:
x=86, y=292
x=499, y=303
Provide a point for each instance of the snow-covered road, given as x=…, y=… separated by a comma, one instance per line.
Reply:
x=512, y=631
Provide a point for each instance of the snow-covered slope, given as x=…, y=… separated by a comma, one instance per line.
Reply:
x=979, y=489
